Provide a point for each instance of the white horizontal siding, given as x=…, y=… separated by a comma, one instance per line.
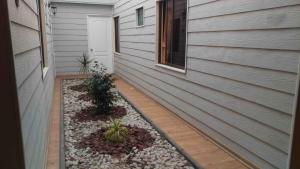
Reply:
x=70, y=33
x=241, y=77
x=229, y=7
x=34, y=93
x=285, y=61
x=101, y=2
x=270, y=18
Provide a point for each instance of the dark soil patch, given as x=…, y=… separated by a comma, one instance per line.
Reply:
x=89, y=114
x=79, y=88
x=137, y=137
x=85, y=97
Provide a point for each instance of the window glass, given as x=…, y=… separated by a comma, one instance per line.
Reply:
x=117, y=38
x=140, y=16
x=172, y=32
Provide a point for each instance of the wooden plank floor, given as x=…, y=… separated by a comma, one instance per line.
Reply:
x=202, y=150
x=54, y=136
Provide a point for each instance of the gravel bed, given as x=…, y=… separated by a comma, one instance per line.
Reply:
x=158, y=156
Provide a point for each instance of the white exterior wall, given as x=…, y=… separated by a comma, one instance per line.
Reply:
x=70, y=33
x=34, y=92
x=242, y=69
x=101, y=2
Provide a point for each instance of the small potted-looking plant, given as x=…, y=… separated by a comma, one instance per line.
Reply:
x=84, y=63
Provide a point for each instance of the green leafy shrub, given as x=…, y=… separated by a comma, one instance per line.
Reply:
x=116, y=133
x=84, y=62
x=99, y=88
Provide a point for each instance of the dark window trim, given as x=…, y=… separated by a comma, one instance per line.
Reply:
x=162, y=61
x=295, y=151
x=117, y=33
x=11, y=145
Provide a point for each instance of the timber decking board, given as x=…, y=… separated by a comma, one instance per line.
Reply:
x=54, y=137
x=206, y=153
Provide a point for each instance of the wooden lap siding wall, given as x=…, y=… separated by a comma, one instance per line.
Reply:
x=34, y=91
x=242, y=68
x=70, y=33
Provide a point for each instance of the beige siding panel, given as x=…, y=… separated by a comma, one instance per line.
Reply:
x=32, y=116
x=200, y=2
x=23, y=15
x=70, y=15
x=70, y=32
x=67, y=70
x=69, y=20
x=225, y=7
x=138, y=38
x=119, y=3
x=68, y=54
x=70, y=43
x=73, y=48
x=139, y=46
x=30, y=127
x=84, y=9
x=132, y=5
x=286, y=17
x=268, y=59
x=140, y=31
x=286, y=39
x=272, y=99
x=266, y=78
x=69, y=38
x=67, y=58
x=32, y=4
x=25, y=64
x=70, y=26
x=24, y=38
x=141, y=53
x=26, y=91
x=95, y=2
x=69, y=63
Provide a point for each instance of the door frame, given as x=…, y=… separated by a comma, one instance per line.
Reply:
x=109, y=18
x=12, y=153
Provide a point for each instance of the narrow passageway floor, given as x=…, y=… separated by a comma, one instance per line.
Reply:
x=194, y=143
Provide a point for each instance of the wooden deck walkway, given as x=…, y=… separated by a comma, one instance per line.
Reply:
x=199, y=147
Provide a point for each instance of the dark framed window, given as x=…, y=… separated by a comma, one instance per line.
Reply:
x=42, y=29
x=172, y=32
x=140, y=16
x=117, y=35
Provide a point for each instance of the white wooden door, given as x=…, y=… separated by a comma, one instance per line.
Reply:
x=100, y=40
